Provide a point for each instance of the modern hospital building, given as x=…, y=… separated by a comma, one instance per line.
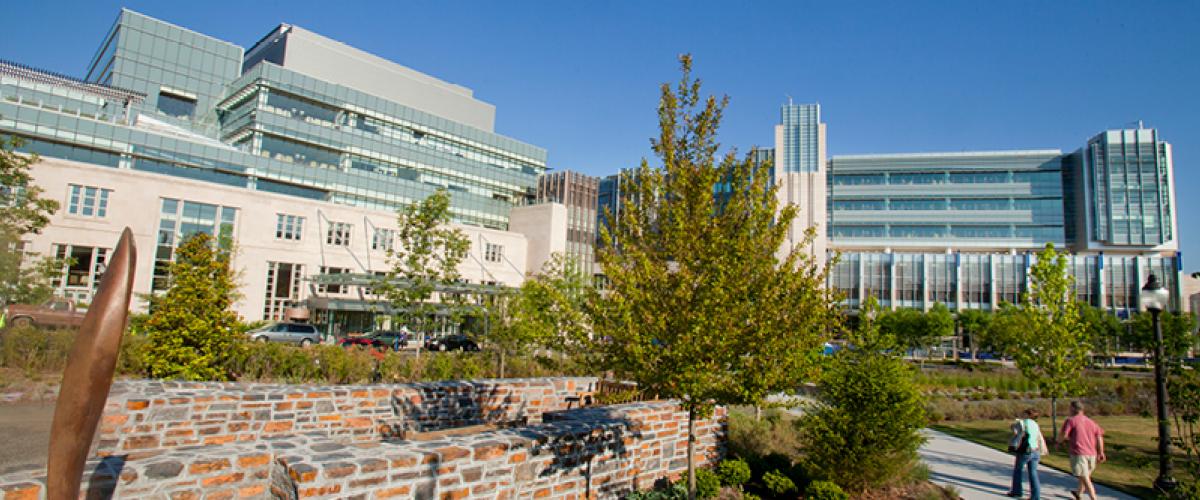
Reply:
x=301, y=148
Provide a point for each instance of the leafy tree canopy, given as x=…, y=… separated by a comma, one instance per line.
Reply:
x=699, y=307
x=24, y=278
x=426, y=254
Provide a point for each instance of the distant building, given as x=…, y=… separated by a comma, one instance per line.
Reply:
x=300, y=148
x=578, y=192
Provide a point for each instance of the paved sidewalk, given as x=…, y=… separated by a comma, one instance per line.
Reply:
x=979, y=472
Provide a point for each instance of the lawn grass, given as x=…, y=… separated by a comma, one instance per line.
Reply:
x=1130, y=444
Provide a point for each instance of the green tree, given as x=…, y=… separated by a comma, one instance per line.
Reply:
x=425, y=256
x=550, y=310
x=1046, y=334
x=1104, y=329
x=865, y=429
x=1179, y=334
x=699, y=307
x=192, y=330
x=973, y=323
x=914, y=329
x=24, y=278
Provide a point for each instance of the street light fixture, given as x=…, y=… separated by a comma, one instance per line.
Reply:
x=1154, y=299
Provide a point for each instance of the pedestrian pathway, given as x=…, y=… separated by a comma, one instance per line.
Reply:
x=979, y=472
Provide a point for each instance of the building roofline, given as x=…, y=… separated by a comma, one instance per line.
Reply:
x=954, y=154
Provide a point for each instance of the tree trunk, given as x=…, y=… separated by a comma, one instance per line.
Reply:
x=691, y=451
x=757, y=413
x=501, y=363
x=1054, y=418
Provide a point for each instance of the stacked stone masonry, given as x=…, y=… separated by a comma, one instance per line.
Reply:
x=206, y=440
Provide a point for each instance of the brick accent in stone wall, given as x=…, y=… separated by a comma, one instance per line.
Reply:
x=142, y=416
x=598, y=452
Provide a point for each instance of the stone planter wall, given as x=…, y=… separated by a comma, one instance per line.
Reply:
x=143, y=416
x=593, y=452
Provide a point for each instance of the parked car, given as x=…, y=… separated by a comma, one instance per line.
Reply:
x=452, y=343
x=294, y=333
x=58, y=313
x=379, y=339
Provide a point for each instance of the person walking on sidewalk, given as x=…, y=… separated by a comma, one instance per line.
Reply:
x=1087, y=448
x=1029, y=446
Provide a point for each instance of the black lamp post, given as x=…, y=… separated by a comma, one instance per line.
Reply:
x=1154, y=299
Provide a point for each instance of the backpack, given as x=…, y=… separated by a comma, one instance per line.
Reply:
x=1019, y=443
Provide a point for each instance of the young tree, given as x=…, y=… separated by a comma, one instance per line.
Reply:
x=551, y=310
x=23, y=211
x=1104, y=330
x=866, y=427
x=973, y=324
x=699, y=307
x=192, y=329
x=1179, y=335
x=1045, y=334
x=914, y=329
x=426, y=255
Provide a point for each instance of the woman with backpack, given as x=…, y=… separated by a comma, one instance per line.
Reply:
x=1028, y=444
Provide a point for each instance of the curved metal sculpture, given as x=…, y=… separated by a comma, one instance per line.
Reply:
x=89, y=373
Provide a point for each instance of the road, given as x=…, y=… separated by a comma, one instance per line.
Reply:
x=979, y=472
x=25, y=432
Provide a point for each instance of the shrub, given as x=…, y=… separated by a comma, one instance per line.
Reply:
x=192, y=328
x=825, y=490
x=752, y=440
x=675, y=491
x=778, y=483
x=866, y=431
x=132, y=358
x=707, y=483
x=34, y=351
x=733, y=472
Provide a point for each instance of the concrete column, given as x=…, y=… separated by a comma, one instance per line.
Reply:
x=924, y=282
x=891, y=269
x=992, y=295
x=1101, y=283
x=862, y=297
x=958, y=282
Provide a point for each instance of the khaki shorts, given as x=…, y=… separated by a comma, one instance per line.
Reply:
x=1083, y=465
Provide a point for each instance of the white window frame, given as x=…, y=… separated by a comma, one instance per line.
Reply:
x=383, y=239
x=289, y=227
x=82, y=199
x=338, y=233
x=493, y=252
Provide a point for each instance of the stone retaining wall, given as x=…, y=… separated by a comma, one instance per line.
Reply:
x=142, y=416
x=192, y=441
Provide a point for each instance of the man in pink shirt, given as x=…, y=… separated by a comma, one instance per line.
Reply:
x=1087, y=447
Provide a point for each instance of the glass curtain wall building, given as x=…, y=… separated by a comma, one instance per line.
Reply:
x=963, y=229
x=164, y=99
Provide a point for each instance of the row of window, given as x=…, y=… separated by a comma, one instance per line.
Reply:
x=1003, y=177
x=1037, y=205
x=1039, y=234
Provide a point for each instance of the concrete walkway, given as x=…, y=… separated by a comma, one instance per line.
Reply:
x=979, y=472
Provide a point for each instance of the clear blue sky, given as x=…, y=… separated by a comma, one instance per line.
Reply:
x=581, y=78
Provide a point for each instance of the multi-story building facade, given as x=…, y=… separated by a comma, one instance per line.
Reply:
x=300, y=148
x=578, y=192
x=963, y=228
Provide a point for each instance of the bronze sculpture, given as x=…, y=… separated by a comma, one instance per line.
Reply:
x=89, y=373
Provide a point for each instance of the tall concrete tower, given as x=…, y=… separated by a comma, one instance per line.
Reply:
x=800, y=171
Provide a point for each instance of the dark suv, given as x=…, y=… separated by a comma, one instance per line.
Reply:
x=452, y=343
